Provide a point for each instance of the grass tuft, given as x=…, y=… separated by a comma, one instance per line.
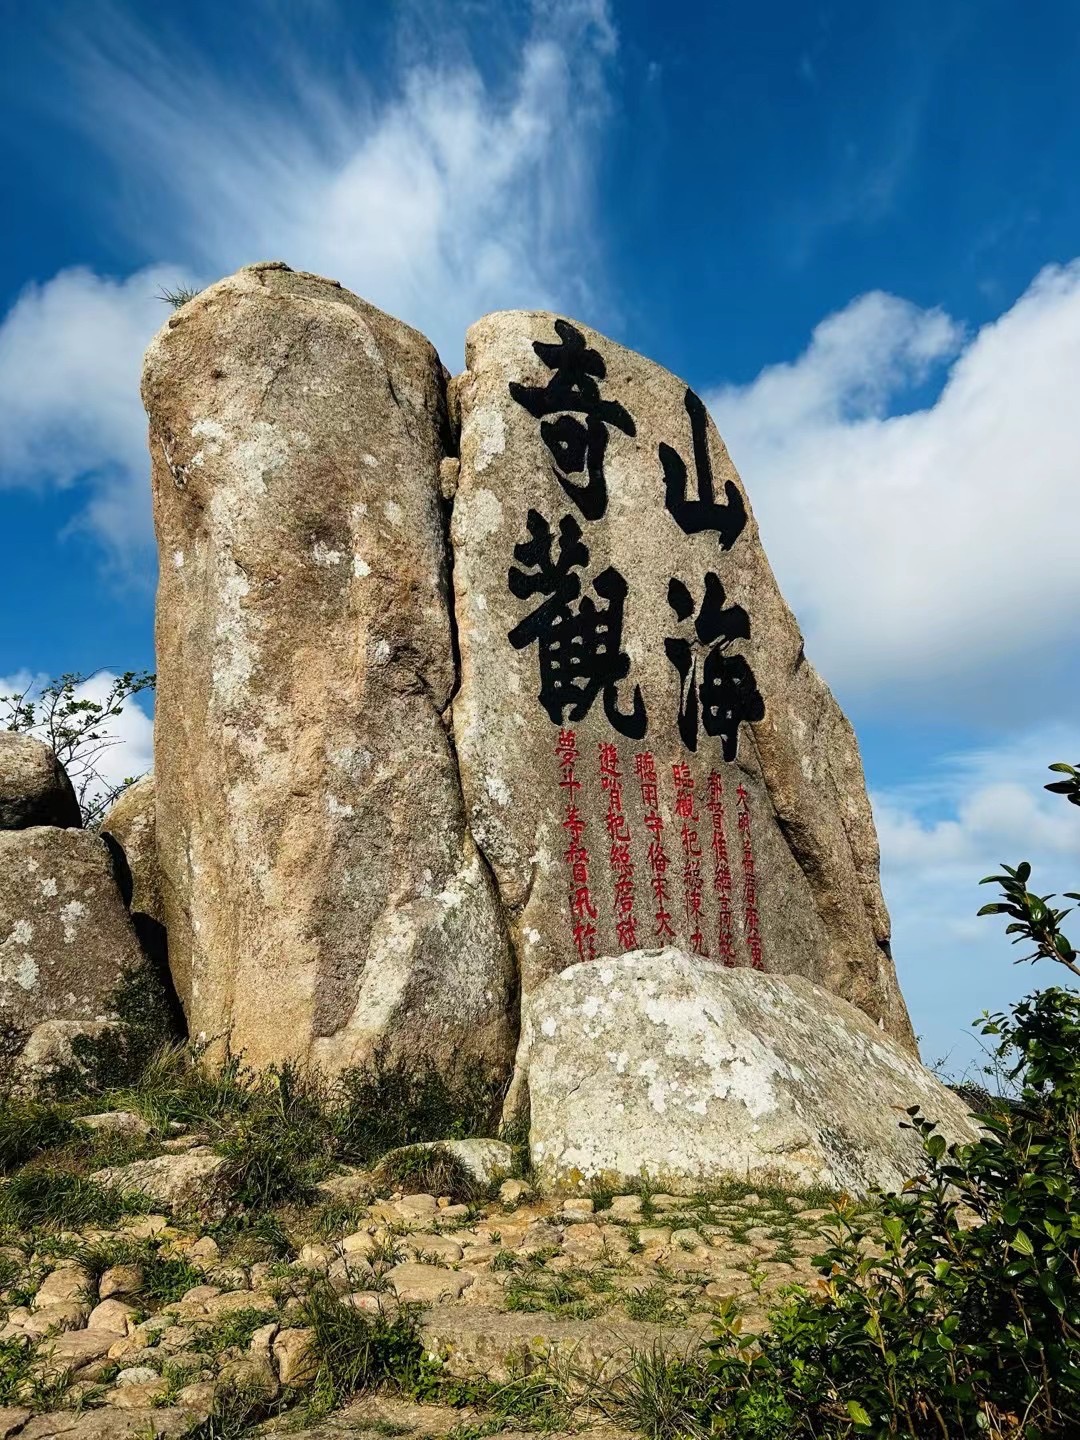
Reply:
x=359, y=1352
x=47, y=1197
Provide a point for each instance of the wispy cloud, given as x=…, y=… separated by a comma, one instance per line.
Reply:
x=448, y=196
x=939, y=837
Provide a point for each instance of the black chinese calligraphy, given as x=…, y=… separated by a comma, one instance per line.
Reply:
x=578, y=447
x=704, y=513
x=579, y=642
x=726, y=693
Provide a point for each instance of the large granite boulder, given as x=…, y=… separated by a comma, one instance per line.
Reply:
x=66, y=939
x=690, y=1071
x=323, y=895
x=34, y=787
x=646, y=754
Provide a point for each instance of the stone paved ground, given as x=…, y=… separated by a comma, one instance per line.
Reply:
x=147, y=1323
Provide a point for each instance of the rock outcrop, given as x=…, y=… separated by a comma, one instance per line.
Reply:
x=66, y=939
x=34, y=787
x=647, y=756
x=323, y=894
x=667, y=1063
x=130, y=822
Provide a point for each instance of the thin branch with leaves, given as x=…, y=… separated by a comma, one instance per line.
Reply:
x=77, y=729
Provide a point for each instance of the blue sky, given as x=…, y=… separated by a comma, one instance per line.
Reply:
x=854, y=227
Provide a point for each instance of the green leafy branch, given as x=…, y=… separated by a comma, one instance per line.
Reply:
x=1033, y=918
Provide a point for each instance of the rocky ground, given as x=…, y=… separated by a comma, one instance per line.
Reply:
x=507, y=1312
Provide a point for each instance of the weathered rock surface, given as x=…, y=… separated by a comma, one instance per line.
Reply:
x=323, y=896
x=646, y=754
x=65, y=937
x=691, y=1071
x=130, y=820
x=194, y=1178
x=34, y=787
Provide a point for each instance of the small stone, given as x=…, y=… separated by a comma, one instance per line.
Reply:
x=67, y=1282
x=235, y=1300
x=253, y=1374
x=315, y=1257
x=68, y=1315
x=687, y=1240
x=112, y=1315
x=360, y=1243
x=651, y=1236
x=263, y=1339
x=178, y=1144
x=197, y=1397
x=427, y=1284
x=200, y=1294
x=12, y=1418
x=353, y=1185
x=453, y=1212
x=120, y=1280
x=295, y=1356
x=78, y=1347
x=205, y=1250
x=474, y=1255
x=145, y=1227
x=136, y=1397
x=371, y=1302
x=513, y=1192
x=416, y=1207
x=118, y=1122
x=440, y=1245
x=625, y=1207
x=175, y=1180
x=575, y=1207
x=136, y=1375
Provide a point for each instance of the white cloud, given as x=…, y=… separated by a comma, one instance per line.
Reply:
x=939, y=838
x=921, y=550
x=130, y=733
x=454, y=196
x=70, y=352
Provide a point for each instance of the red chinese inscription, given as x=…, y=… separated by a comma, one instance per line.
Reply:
x=751, y=919
x=691, y=848
x=725, y=935
x=619, y=838
x=582, y=909
x=656, y=855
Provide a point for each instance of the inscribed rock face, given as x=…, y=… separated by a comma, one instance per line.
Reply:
x=647, y=757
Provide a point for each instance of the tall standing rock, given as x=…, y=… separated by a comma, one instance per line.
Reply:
x=647, y=757
x=324, y=899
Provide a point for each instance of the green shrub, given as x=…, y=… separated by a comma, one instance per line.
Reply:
x=431, y=1171
x=282, y=1141
x=27, y=1127
x=386, y=1105
x=969, y=1322
x=359, y=1352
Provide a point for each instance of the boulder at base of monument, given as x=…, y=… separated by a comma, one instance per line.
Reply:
x=664, y=1063
x=34, y=787
x=66, y=940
